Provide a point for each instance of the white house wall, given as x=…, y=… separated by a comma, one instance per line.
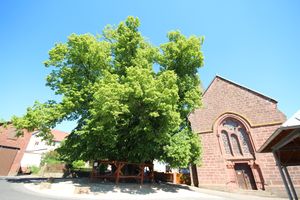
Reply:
x=34, y=151
x=30, y=159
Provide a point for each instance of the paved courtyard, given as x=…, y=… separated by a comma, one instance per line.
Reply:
x=30, y=189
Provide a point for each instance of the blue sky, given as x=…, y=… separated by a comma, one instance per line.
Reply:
x=254, y=43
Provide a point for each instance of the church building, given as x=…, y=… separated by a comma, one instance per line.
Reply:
x=233, y=123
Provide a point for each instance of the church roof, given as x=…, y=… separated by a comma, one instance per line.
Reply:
x=224, y=96
x=242, y=87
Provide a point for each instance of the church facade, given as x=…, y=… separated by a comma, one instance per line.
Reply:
x=232, y=124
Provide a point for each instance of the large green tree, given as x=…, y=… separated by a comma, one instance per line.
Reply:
x=125, y=110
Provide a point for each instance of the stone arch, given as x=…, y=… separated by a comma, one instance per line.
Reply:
x=236, y=116
x=239, y=155
x=238, y=142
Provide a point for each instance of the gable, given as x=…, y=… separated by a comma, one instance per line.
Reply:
x=58, y=135
x=224, y=96
x=9, y=138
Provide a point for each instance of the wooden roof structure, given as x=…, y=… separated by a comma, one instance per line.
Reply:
x=284, y=143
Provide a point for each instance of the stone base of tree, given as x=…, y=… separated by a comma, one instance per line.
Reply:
x=45, y=185
x=53, y=175
x=53, y=170
x=82, y=190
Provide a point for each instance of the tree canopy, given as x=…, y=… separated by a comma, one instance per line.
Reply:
x=125, y=109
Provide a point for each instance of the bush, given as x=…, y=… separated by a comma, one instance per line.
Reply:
x=34, y=169
x=51, y=157
x=77, y=164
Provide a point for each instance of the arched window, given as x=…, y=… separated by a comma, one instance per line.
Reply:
x=226, y=142
x=236, y=145
x=235, y=139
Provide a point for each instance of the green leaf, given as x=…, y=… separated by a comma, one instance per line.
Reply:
x=124, y=110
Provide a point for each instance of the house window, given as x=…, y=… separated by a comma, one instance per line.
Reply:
x=235, y=139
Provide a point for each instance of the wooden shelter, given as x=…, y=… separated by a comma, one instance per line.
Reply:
x=284, y=143
x=116, y=170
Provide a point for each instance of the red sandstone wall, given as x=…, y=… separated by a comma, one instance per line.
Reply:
x=266, y=161
x=20, y=143
x=261, y=115
x=223, y=96
x=212, y=170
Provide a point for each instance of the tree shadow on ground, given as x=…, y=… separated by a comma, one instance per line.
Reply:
x=25, y=180
x=103, y=187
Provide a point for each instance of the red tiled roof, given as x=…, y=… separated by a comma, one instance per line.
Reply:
x=59, y=135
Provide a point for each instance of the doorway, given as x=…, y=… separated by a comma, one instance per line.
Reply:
x=7, y=157
x=244, y=175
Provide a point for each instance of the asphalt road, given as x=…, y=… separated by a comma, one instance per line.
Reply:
x=13, y=189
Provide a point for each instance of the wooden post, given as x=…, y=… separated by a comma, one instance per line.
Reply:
x=290, y=182
x=142, y=167
x=174, y=177
x=118, y=173
x=151, y=173
x=282, y=175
